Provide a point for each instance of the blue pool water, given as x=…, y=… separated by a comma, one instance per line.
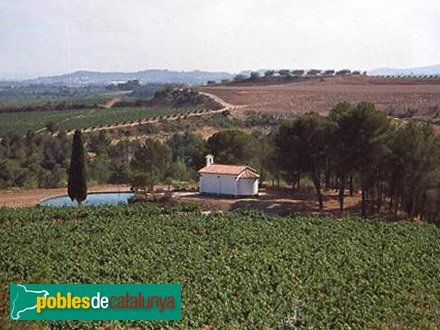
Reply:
x=110, y=198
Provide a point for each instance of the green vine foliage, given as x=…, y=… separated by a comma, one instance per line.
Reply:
x=238, y=270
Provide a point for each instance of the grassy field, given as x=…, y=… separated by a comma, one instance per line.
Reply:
x=239, y=271
x=71, y=119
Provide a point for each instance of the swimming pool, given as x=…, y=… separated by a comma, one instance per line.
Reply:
x=104, y=198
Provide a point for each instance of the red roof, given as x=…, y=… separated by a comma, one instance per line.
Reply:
x=249, y=174
x=245, y=172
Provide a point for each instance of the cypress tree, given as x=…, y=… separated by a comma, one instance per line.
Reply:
x=77, y=185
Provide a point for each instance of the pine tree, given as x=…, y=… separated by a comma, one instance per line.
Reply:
x=301, y=147
x=152, y=160
x=77, y=185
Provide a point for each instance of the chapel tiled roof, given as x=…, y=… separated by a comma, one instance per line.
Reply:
x=245, y=172
x=249, y=174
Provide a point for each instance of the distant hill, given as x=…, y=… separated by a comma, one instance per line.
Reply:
x=148, y=76
x=426, y=70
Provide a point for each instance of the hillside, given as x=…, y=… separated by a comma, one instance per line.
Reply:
x=69, y=116
x=420, y=96
x=146, y=77
x=241, y=271
x=426, y=70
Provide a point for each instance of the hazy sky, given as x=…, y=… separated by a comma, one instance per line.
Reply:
x=40, y=37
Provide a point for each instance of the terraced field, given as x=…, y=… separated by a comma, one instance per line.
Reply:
x=72, y=119
x=238, y=270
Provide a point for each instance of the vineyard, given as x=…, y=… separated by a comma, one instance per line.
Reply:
x=72, y=119
x=238, y=270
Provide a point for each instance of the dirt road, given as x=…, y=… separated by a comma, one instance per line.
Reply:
x=223, y=103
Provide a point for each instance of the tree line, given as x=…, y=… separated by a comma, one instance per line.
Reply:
x=357, y=147
x=42, y=160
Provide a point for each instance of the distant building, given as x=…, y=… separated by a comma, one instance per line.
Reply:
x=227, y=180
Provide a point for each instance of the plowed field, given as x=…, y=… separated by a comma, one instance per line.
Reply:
x=399, y=95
